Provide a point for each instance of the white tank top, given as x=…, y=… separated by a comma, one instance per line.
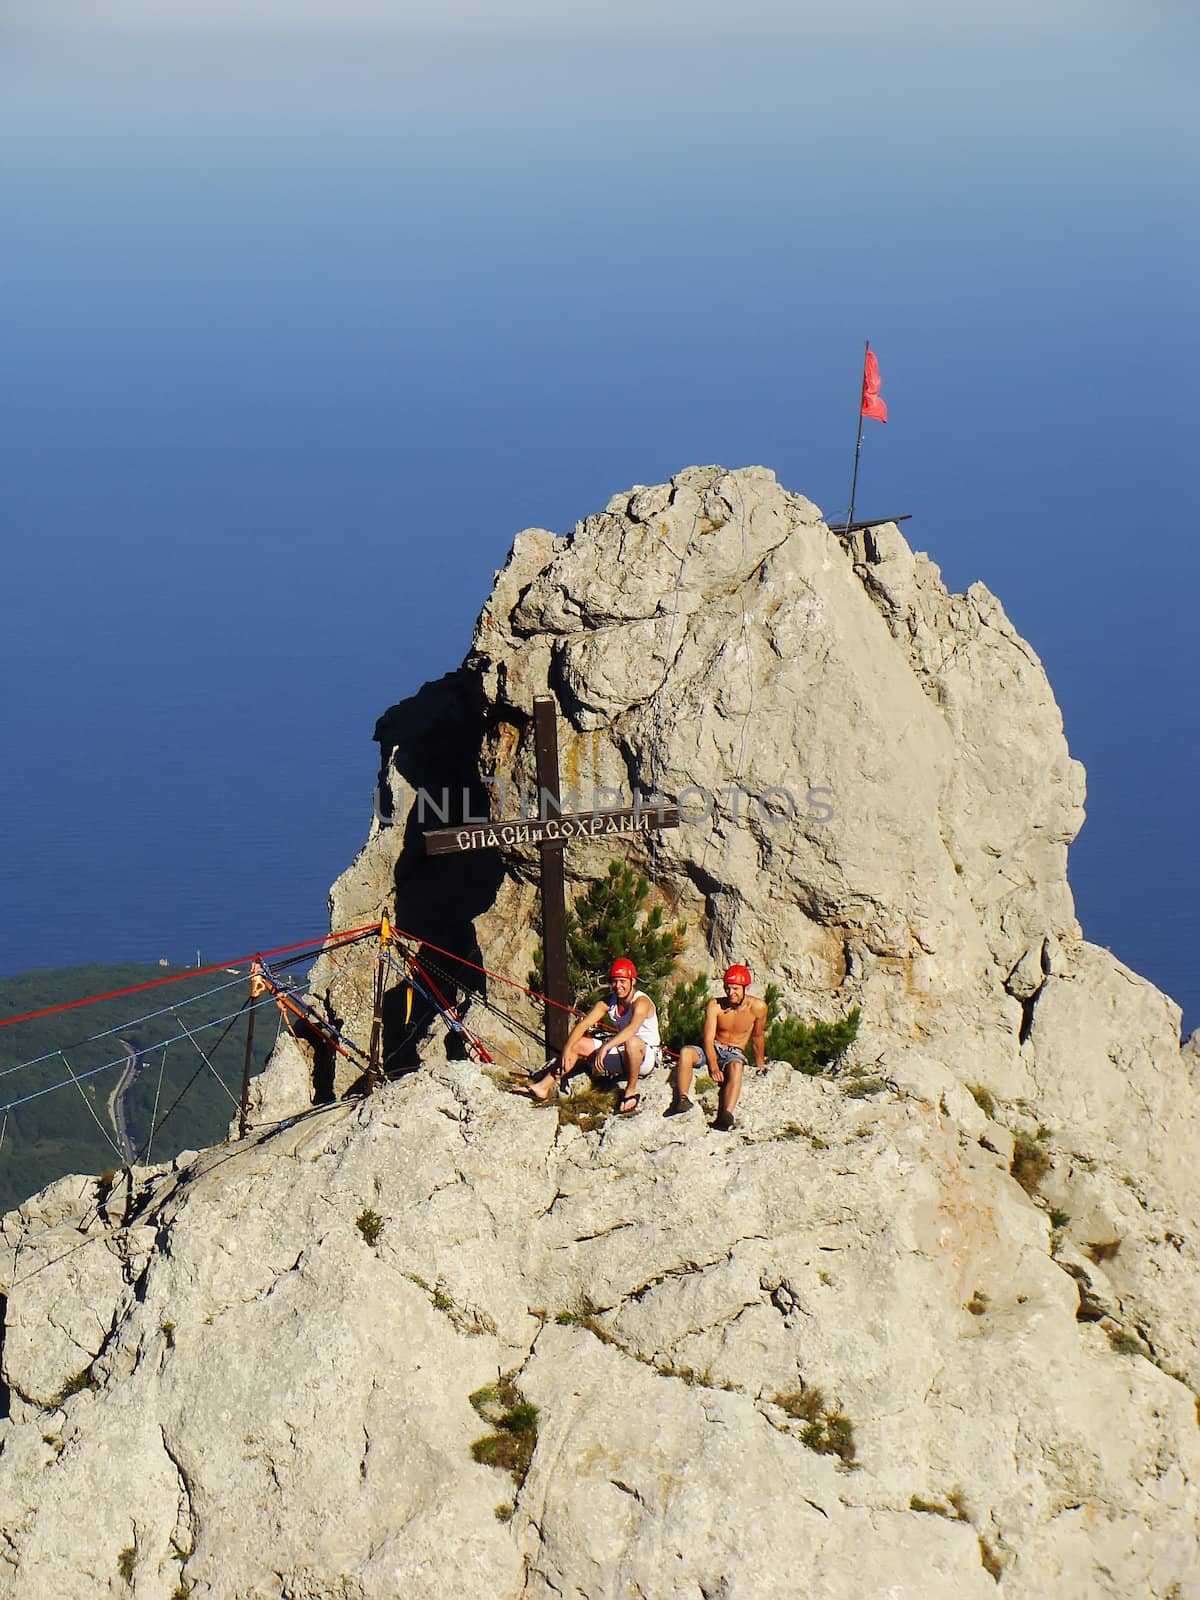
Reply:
x=619, y=1017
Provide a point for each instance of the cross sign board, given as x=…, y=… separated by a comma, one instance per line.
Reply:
x=551, y=831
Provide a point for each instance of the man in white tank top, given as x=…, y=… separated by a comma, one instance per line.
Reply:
x=634, y=1049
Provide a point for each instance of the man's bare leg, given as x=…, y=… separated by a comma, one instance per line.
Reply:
x=543, y=1088
x=635, y=1054
x=730, y=1090
x=681, y=1081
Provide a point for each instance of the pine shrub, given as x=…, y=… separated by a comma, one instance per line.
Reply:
x=683, y=1015
x=610, y=919
x=809, y=1047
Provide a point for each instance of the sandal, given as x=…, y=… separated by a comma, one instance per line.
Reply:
x=630, y=1105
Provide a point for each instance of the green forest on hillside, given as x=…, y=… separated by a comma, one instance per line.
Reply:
x=56, y=1133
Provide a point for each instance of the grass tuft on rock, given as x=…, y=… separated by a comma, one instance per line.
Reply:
x=586, y=1109
x=585, y=1313
x=953, y=1507
x=370, y=1224
x=515, y=1423
x=802, y=1130
x=984, y=1099
x=76, y=1385
x=833, y=1435
x=1030, y=1162
x=826, y=1430
x=467, y=1319
x=805, y=1405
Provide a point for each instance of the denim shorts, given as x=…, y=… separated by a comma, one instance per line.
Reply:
x=725, y=1054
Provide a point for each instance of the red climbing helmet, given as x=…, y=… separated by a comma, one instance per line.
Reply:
x=622, y=967
x=738, y=975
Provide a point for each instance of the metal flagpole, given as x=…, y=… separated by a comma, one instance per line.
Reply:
x=858, y=441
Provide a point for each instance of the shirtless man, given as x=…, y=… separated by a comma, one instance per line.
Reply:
x=730, y=1023
x=634, y=1048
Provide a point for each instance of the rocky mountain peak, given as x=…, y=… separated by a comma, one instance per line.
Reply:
x=922, y=1326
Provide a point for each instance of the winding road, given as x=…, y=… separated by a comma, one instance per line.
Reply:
x=116, y=1100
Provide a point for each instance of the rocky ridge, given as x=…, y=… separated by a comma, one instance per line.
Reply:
x=843, y=1353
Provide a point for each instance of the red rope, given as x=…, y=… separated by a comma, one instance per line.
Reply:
x=450, y=1011
x=329, y=941
x=533, y=994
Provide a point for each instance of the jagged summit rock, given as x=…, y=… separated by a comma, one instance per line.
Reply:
x=883, y=790
x=842, y=1353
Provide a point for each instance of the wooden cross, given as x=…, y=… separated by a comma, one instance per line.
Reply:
x=551, y=830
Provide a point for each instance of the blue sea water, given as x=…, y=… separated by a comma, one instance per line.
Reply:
x=297, y=341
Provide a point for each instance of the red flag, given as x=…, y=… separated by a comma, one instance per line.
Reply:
x=872, y=403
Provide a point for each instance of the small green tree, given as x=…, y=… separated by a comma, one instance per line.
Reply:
x=610, y=919
x=683, y=1014
x=809, y=1047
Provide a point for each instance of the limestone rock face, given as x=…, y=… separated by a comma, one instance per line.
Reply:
x=1014, y=800
x=280, y=1407
x=842, y=1352
x=274, y=1410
